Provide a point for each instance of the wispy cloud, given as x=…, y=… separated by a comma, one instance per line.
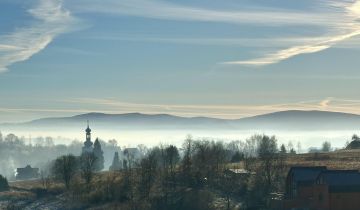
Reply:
x=171, y=11
x=51, y=20
x=337, y=18
x=347, y=28
x=325, y=103
x=226, y=41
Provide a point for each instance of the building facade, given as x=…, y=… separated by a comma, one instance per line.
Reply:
x=27, y=173
x=317, y=188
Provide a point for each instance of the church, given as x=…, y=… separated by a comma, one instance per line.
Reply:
x=91, y=148
x=88, y=144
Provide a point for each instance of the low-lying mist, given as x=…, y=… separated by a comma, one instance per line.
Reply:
x=151, y=137
x=39, y=147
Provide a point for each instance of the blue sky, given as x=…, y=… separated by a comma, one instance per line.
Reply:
x=227, y=59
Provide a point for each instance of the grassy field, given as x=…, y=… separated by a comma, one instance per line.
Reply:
x=341, y=159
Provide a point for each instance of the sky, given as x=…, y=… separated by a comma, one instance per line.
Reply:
x=224, y=59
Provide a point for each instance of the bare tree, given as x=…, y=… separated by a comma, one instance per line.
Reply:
x=65, y=168
x=148, y=171
x=299, y=147
x=45, y=179
x=87, y=166
x=268, y=156
x=186, y=164
x=172, y=158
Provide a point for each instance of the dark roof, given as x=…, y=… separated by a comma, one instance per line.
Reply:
x=336, y=180
x=306, y=174
x=340, y=177
x=346, y=188
x=27, y=168
x=341, y=180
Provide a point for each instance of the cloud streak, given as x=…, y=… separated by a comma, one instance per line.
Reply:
x=114, y=106
x=350, y=26
x=51, y=20
x=170, y=11
x=338, y=18
x=247, y=42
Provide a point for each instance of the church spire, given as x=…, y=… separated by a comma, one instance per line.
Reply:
x=88, y=131
x=88, y=144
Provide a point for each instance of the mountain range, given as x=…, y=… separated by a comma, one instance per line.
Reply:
x=284, y=120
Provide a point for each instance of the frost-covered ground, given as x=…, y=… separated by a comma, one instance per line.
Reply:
x=26, y=195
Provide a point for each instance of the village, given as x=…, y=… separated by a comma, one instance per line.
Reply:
x=306, y=181
x=89, y=148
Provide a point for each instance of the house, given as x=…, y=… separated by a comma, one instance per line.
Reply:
x=321, y=189
x=238, y=173
x=337, y=190
x=27, y=173
x=300, y=180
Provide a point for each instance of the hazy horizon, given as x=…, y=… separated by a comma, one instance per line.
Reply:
x=133, y=129
x=132, y=138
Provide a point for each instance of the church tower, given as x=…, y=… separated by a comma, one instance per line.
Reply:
x=87, y=148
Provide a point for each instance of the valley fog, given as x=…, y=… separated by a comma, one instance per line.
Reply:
x=70, y=141
x=134, y=137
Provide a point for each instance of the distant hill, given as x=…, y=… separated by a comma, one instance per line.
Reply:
x=303, y=120
x=285, y=120
x=129, y=120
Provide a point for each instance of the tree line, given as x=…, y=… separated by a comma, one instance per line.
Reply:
x=196, y=175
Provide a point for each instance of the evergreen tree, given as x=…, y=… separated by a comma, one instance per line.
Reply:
x=283, y=149
x=4, y=185
x=292, y=151
x=99, y=155
x=116, y=165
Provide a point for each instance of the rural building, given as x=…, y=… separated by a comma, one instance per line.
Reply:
x=238, y=173
x=27, y=173
x=321, y=189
